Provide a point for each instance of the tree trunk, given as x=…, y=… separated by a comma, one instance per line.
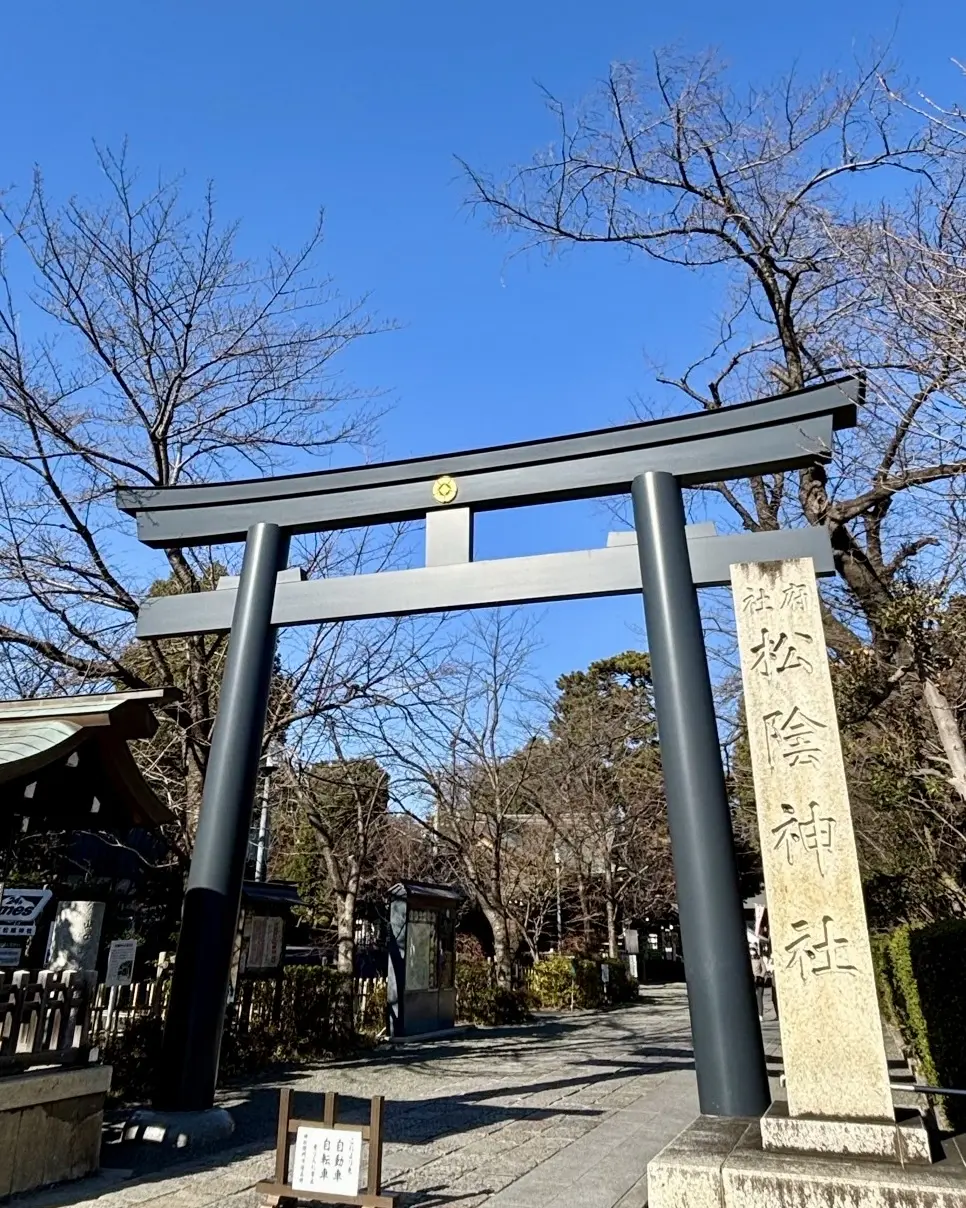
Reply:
x=504, y=946
x=346, y=930
x=584, y=911
x=948, y=729
x=611, y=907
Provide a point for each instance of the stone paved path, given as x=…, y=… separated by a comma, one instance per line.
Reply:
x=562, y=1114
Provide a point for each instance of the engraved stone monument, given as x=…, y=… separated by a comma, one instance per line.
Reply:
x=838, y=1140
x=820, y=944
x=75, y=936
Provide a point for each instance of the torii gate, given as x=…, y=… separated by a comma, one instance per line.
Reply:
x=652, y=461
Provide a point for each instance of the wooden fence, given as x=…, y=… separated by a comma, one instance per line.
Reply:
x=63, y=1018
x=59, y=1018
x=44, y=1019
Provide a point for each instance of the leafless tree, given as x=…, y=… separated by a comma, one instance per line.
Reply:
x=138, y=347
x=825, y=219
x=340, y=813
x=461, y=769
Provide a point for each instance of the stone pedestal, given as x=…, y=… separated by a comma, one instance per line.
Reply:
x=904, y=1140
x=721, y=1163
x=50, y=1126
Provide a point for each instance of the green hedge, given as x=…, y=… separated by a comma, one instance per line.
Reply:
x=922, y=982
x=551, y=983
x=882, y=968
x=480, y=1000
x=558, y=982
x=316, y=1017
x=135, y=1058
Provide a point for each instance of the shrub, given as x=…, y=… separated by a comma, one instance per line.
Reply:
x=927, y=977
x=882, y=968
x=480, y=1000
x=313, y=1020
x=589, y=987
x=316, y=1019
x=469, y=948
x=246, y=1051
x=135, y=1057
x=552, y=984
x=559, y=982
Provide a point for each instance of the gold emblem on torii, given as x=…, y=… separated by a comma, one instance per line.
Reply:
x=445, y=489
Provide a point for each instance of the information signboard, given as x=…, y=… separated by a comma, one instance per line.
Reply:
x=327, y=1159
x=265, y=942
x=120, y=963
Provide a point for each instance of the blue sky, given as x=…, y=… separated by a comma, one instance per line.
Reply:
x=362, y=107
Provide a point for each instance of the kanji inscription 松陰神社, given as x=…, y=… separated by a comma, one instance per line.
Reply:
x=829, y=1015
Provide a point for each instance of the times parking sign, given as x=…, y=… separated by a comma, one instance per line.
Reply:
x=20, y=909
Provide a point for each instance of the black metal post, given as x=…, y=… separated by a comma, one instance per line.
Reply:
x=199, y=991
x=728, y=1051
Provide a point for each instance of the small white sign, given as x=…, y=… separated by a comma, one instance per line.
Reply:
x=120, y=963
x=256, y=942
x=274, y=931
x=18, y=929
x=327, y=1159
x=605, y=974
x=9, y=958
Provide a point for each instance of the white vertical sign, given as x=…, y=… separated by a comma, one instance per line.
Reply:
x=327, y=1159
x=120, y=963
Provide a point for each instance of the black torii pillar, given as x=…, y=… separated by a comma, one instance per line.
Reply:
x=202, y=969
x=721, y=1000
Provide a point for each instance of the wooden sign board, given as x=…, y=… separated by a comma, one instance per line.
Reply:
x=327, y=1158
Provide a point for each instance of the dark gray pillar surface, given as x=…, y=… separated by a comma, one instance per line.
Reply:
x=728, y=1052
x=199, y=991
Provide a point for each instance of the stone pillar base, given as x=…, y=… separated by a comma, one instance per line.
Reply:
x=905, y=1140
x=721, y=1163
x=178, y=1130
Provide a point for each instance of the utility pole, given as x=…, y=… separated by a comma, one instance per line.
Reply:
x=268, y=766
x=556, y=862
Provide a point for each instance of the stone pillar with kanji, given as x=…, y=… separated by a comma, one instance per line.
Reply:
x=838, y=1139
x=832, y=1043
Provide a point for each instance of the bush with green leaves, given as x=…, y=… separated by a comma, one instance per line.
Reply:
x=480, y=1000
x=135, y=1058
x=551, y=983
x=558, y=982
x=316, y=1019
x=882, y=969
x=921, y=973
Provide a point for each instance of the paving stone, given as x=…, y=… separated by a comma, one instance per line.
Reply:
x=508, y=1118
